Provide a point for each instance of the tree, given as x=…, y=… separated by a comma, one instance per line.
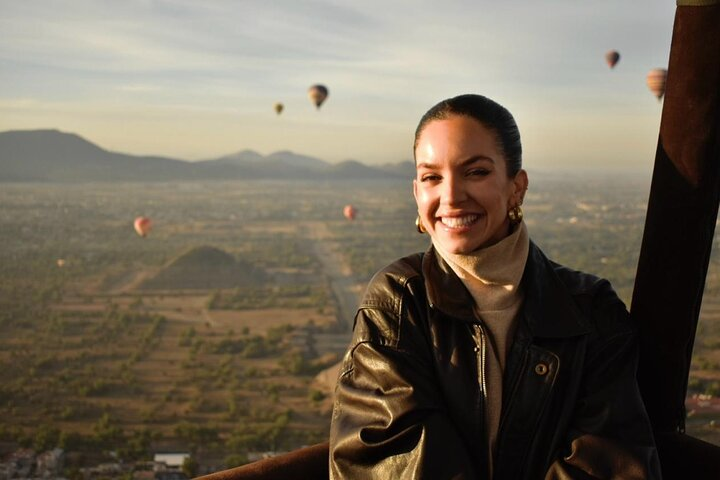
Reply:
x=106, y=431
x=46, y=438
x=294, y=363
x=235, y=460
x=190, y=467
x=137, y=446
x=316, y=396
x=196, y=435
x=713, y=389
x=214, y=300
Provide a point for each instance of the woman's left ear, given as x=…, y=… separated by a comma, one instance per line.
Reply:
x=521, y=185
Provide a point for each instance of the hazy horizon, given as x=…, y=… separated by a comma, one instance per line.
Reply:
x=197, y=80
x=637, y=170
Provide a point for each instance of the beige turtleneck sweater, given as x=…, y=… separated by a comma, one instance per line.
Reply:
x=492, y=275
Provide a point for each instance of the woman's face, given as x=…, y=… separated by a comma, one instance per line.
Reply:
x=461, y=187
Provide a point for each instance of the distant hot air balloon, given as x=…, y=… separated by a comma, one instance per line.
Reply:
x=350, y=212
x=60, y=262
x=612, y=58
x=318, y=94
x=656, y=79
x=142, y=226
x=279, y=108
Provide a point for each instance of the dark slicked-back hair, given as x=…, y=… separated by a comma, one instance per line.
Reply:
x=488, y=113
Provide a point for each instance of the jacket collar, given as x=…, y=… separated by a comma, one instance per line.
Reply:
x=549, y=309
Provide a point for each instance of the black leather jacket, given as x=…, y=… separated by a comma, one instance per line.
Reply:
x=409, y=399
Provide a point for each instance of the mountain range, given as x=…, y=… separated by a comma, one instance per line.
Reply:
x=55, y=156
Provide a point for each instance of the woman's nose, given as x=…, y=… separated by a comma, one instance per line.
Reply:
x=453, y=191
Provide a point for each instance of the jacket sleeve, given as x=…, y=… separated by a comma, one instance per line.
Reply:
x=389, y=420
x=610, y=434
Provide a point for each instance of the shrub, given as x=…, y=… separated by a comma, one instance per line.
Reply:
x=235, y=460
x=316, y=396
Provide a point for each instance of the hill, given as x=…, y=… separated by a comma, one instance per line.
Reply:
x=355, y=169
x=204, y=268
x=404, y=169
x=55, y=156
x=51, y=155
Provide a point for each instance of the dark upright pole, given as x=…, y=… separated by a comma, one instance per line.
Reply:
x=679, y=230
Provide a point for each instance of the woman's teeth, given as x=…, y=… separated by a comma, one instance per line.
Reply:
x=455, y=222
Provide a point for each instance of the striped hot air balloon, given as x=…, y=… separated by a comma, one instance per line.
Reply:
x=318, y=94
x=656, y=79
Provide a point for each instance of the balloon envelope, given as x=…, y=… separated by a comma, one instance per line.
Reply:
x=279, y=108
x=60, y=262
x=142, y=225
x=612, y=58
x=317, y=94
x=350, y=212
x=656, y=80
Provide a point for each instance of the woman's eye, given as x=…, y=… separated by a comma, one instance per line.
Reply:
x=429, y=178
x=479, y=172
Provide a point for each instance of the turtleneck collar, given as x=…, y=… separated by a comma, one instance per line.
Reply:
x=492, y=274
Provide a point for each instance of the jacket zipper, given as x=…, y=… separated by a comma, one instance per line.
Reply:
x=481, y=369
x=480, y=333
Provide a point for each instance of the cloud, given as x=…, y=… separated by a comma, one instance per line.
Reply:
x=384, y=62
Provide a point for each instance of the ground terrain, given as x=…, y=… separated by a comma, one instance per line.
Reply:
x=208, y=334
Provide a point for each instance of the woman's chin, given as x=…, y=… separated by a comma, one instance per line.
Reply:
x=463, y=246
x=461, y=240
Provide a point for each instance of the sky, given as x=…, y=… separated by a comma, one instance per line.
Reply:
x=196, y=80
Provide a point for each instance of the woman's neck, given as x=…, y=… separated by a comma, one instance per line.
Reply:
x=493, y=273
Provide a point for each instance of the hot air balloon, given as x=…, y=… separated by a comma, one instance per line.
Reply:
x=349, y=212
x=142, y=226
x=656, y=79
x=60, y=262
x=612, y=58
x=279, y=108
x=318, y=94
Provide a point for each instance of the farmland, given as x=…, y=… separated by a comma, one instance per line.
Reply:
x=209, y=333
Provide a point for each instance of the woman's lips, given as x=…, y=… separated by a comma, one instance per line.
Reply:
x=459, y=221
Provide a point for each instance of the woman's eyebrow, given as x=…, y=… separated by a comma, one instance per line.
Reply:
x=426, y=165
x=477, y=158
x=464, y=163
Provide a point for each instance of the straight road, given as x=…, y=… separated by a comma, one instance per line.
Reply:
x=343, y=283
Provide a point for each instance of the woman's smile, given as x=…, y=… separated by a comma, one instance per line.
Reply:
x=458, y=223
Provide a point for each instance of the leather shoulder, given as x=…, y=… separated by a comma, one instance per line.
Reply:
x=387, y=287
x=383, y=311
x=577, y=282
x=597, y=299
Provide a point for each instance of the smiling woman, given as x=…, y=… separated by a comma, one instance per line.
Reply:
x=463, y=188
x=482, y=358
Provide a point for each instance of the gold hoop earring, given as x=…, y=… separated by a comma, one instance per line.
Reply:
x=515, y=214
x=419, y=225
